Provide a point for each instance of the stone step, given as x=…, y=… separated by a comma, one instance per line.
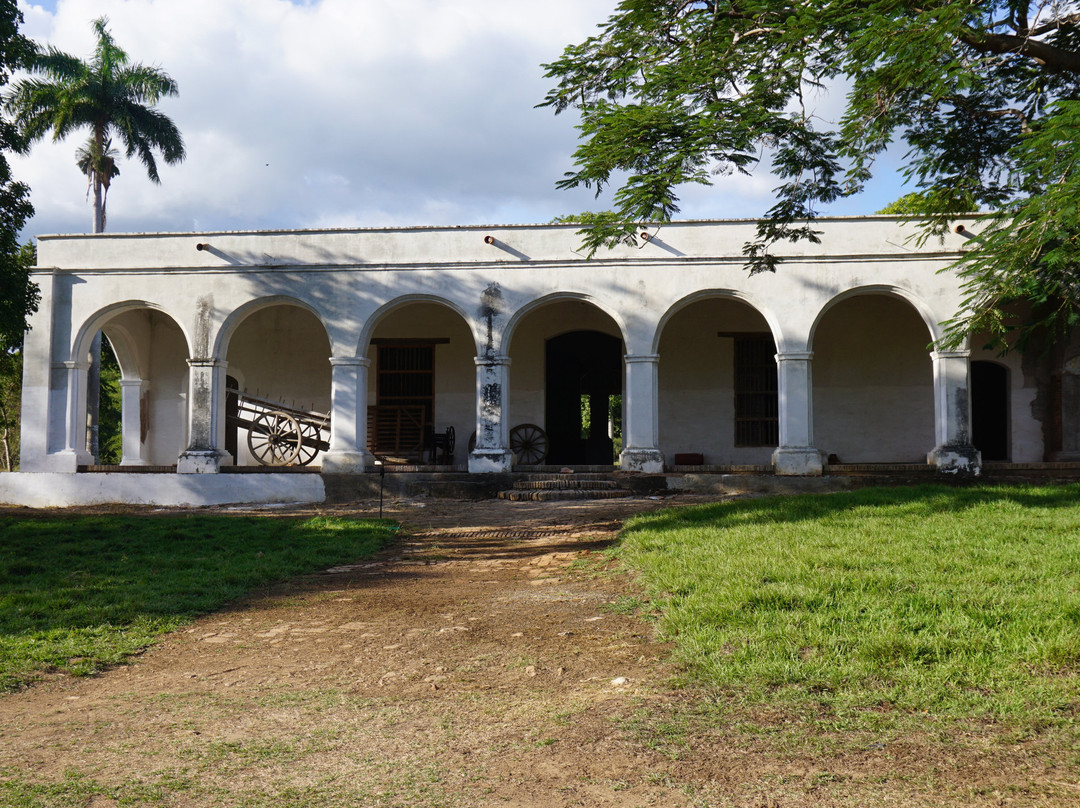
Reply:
x=560, y=477
x=554, y=485
x=563, y=494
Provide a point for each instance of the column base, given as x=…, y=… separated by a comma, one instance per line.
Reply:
x=487, y=461
x=199, y=462
x=59, y=462
x=956, y=459
x=649, y=461
x=797, y=462
x=346, y=462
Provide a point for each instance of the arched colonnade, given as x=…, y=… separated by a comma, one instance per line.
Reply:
x=690, y=356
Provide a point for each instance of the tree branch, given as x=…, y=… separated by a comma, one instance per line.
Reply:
x=1052, y=57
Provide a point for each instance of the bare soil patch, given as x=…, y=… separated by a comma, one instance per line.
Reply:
x=484, y=660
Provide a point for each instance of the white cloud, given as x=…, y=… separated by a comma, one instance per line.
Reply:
x=333, y=113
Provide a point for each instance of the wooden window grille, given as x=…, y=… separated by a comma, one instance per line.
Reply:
x=756, y=391
x=405, y=399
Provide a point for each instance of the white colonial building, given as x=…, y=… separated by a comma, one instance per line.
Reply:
x=376, y=341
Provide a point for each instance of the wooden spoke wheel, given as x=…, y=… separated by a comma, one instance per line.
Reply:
x=529, y=443
x=275, y=438
x=310, y=437
x=448, y=443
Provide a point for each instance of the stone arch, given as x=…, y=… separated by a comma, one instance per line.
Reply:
x=933, y=325
x=238, y=315
x=524, y=311
x=717, y=382
x=421, y=352
x=566, y=376
x=711, y=294
x=873, y=377
x=151, y=347
x=371, y=323
x=80, y=346
x=279, y=350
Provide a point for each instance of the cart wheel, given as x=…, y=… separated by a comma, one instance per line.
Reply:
x=450, y=441
x=309, y=444
x=529, y=443
x=274, y=438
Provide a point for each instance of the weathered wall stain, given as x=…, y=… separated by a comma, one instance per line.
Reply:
x=204, y=311
x=490, y=311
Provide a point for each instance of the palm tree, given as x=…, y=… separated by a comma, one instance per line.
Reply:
x=109, y=96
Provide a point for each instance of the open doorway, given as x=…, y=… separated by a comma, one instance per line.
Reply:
x=583, y=385
x=990, y=409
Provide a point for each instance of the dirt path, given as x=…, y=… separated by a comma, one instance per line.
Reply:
x=483, y=661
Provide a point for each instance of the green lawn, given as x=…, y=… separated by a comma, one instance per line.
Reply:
x=81, y=592
x=956, y=602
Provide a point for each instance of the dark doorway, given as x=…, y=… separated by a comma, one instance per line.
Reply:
x=583, y=379
x=990, y=410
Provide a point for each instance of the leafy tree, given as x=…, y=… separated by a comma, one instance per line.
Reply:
x=13, y=312
x=18, y=296
x=986, y=97
x=106, y=95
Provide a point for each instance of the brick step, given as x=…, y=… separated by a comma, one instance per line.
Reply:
x=563, y=494
x=555, y=485
x=565, y=477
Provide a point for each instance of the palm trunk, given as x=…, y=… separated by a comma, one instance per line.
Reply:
x=93, y=377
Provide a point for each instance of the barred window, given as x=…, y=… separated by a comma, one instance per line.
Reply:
x=756, y=397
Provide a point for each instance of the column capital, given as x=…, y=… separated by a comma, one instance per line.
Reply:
x=492, y=361
x=350, y=361
x=71, y=364
x=642, y=359
x=794, y=356
x=963, y=354
x=210, y=362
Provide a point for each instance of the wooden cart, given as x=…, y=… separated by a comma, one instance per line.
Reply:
x=278, y=435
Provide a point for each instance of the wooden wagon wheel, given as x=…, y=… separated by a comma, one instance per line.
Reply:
x=274, y=438
x=529, y=443
x=309, y=443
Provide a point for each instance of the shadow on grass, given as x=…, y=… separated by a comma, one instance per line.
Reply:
x=79, y=593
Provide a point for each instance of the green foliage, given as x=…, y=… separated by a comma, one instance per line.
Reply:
x=963, y=602
x=77, y=594
x=106, y=95
x=672, y=92
x=10, y=397
x=18, y=296
x=110, y=416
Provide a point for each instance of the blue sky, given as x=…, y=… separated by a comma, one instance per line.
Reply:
x=347, y=113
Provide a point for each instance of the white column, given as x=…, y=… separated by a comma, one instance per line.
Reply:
x=202, y=456
x=796, y=455
x=348, y=416
x=641, y=415
x=953, y=452
x=132, y=393
x=74, y=453
x=492, y=452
